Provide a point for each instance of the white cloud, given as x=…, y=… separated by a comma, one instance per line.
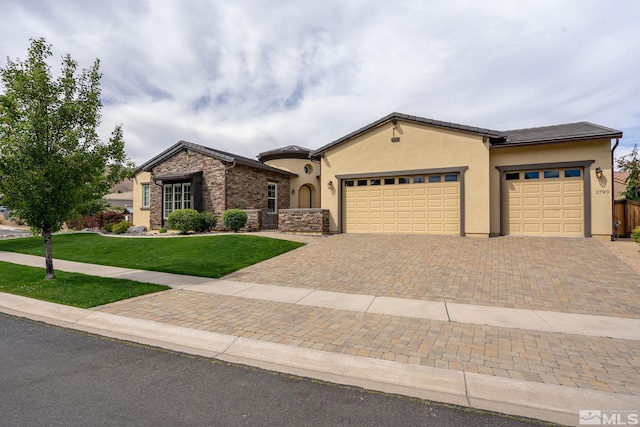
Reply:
x=250, y=76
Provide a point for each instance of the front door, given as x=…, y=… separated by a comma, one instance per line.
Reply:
x=304, y=197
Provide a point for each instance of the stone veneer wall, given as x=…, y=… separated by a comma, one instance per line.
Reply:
x=254, y=220
x=247, y=189
x=307, y=221
x=213, y=180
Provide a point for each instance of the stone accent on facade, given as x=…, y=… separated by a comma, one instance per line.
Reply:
x=304, y=221
x=247, y=189
x=213, y=180
x=254, y=220
x=224, y=186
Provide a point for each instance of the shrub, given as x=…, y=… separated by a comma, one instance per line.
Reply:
x=234, y=219
x=635, y=235
x=108, y=227
x=121, y=227
x=98, y=220
x=184, y=220
x=207, y=222
x=162, y=230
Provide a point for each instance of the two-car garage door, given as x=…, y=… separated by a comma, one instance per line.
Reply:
x=545, y=202
x=423, y=204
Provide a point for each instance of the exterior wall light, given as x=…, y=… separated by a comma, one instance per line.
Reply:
x=598, y=173
x=330, y=184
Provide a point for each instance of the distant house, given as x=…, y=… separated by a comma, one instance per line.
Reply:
x=401, y=174
x=121, y=195
x=620, y=184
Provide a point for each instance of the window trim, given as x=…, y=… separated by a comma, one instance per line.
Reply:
x=274, y=198
x=146, y=195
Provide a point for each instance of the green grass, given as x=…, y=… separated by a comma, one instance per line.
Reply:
x=206, y=256
x=77, y=290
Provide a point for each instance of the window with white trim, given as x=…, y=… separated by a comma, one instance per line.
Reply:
x=176, y=196
x=146, y=195
x=271, y=198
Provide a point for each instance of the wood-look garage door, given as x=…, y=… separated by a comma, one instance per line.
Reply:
x=545, y=202
x=407, y=204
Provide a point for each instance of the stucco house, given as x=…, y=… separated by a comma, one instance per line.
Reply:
x=408, y=174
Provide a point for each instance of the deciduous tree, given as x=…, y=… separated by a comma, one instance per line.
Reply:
x=631, y=163
x=51, y=157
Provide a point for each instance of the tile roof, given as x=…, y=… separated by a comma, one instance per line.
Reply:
x=221, y=155
x=557, y=133
x=288, y=152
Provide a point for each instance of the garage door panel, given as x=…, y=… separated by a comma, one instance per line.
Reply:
x=552, y=188
x=549, y=206
x=552, y=214
x=416, y=207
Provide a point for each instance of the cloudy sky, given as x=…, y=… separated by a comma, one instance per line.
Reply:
x=247, y=76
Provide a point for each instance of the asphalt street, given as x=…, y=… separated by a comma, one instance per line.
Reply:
x=52, y=376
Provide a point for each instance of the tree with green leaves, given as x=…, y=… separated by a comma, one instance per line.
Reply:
x=631, y=163
x=51, y=157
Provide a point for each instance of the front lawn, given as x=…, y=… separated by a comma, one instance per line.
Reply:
x=73, y=289
x=206, y=256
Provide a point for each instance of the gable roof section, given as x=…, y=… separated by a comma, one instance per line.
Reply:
x=221, y=155
x=579, y=131
x=414, y=119
x=288, y=152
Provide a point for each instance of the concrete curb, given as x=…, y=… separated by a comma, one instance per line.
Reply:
x=524, y=398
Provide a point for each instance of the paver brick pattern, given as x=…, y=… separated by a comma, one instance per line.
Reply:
x=611, y=365
x=575, y=275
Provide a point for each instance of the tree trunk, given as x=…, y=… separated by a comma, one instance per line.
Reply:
x=46, y=235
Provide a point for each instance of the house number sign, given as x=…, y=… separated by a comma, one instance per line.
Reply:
x=602, y=191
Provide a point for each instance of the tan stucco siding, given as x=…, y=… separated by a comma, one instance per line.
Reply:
x=600, y=192
x=312, y=179
x=420, y=147
x=140, y=216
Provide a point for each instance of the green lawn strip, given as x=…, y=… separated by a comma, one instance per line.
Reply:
x=77, y=290
x=207, y=256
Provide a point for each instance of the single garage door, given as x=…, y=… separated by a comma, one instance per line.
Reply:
x=428, y=204
x=545, y=202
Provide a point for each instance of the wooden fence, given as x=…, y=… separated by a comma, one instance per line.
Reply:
x=628, y=213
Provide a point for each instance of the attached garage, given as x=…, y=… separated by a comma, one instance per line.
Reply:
x=545, y=202
x=428, y=202
x=408, y=174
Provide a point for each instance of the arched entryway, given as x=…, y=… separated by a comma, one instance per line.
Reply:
x=305, y=197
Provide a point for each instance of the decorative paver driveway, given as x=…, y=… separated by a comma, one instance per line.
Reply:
x=575, y=275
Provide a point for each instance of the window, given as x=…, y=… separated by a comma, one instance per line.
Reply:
x=418, y=179
x=389, y=181
x=435, y=178
x=453, y=177
x=308, y=169
x=551, y=174
x=512, y=176
x=146, y=195
x=176, y=196
x=404, y=180
x=348, y=183
x=532, y=175
x=571, y=173
x=362, y=182
x=375, y=182
x=271, y=198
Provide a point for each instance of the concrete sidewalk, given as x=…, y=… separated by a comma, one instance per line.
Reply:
x=533, y=363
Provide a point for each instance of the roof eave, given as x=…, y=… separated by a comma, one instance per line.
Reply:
x=557, y=140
